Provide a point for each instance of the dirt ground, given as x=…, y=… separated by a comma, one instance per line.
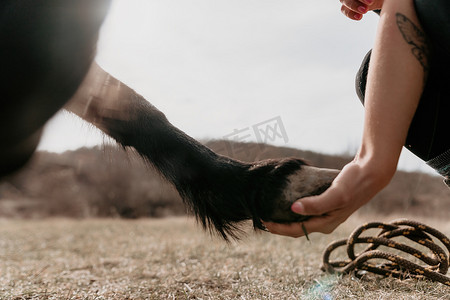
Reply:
x=172, y=258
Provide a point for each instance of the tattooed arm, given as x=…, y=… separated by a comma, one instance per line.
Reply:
x=395, y=83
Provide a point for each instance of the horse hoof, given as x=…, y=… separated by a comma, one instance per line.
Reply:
x=307, y=181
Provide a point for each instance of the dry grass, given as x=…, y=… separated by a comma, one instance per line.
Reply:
x=172, y=259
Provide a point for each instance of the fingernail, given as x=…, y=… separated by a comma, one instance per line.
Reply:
x=297, y=207
x=369, y=1
x=362, y=9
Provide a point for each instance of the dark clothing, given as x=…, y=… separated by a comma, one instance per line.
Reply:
x=429, y=135
x=434, y=17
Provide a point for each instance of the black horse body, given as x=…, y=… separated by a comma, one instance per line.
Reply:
x=47, y=48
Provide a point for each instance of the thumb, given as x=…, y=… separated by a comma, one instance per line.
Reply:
x=306, y=206
x=313, y=206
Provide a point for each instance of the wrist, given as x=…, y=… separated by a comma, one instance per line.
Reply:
x=377, y=171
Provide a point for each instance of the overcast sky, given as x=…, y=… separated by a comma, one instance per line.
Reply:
x=215, y=67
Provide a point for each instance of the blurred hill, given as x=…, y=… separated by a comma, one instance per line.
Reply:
x=110, y=182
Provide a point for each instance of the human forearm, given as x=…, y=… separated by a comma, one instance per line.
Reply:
x=394, y=85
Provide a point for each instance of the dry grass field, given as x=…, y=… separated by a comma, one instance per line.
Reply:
x=173, y=259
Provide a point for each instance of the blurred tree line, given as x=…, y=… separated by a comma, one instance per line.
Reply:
x=109, y=181
x=98, y=182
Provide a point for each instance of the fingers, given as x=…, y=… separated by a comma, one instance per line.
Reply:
x=328, y=211
x=351, y=14
x=324, y=224
x=355, y=9
x=293, y=230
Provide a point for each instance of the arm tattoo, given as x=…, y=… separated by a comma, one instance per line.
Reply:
x=415, y=37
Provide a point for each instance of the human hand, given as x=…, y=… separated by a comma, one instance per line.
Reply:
x=352, y=188
x=355, y=9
